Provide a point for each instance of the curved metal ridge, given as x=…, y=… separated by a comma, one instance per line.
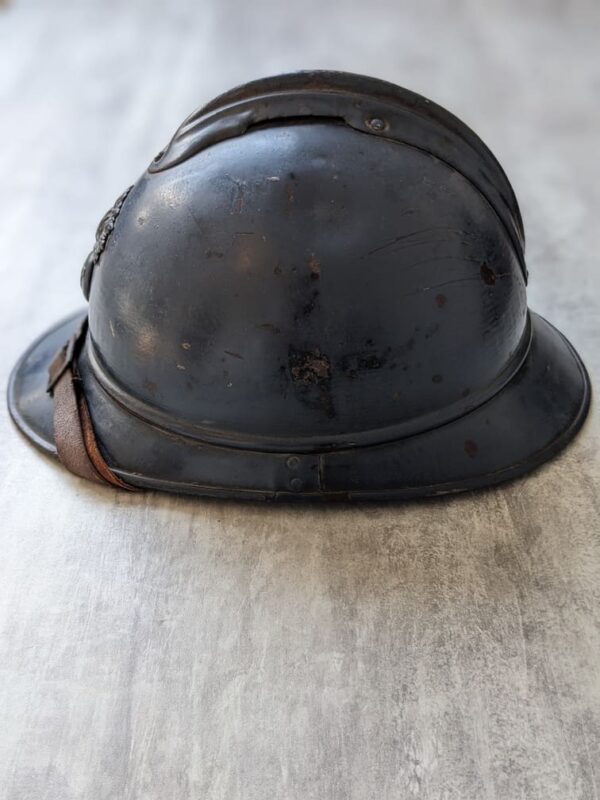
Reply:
x=366, y=104
x=159, y=418
x=323, y=80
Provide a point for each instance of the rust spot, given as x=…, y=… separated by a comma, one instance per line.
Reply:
x=235, y=355
x=310, y=367
x=488, y=275
x=471, y=448
x=311, y=377
x=289, y=190
x=356, y=363
x=440, y=300
x=437, y=378
x=314, y=267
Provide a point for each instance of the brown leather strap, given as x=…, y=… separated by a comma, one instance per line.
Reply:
x=73, y=430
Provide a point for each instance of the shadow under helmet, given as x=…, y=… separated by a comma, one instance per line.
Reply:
x=317, y=290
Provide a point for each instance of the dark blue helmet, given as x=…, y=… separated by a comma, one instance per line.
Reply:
x=318, y=289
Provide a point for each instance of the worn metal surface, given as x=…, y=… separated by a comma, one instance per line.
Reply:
x=311, y=288
x=155, y=647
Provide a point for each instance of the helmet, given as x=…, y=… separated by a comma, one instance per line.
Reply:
x=316, y=290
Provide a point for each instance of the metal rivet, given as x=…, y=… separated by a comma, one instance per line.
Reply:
x=376, y=124
x=296, y=484
x=293, y=462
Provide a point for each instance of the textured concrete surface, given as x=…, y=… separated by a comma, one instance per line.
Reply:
x=157, y=648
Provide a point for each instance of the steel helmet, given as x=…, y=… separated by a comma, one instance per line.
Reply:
x=317, y=290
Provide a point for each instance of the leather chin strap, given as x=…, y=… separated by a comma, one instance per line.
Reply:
x=73, y=429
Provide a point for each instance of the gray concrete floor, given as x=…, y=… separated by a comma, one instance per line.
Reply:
x=156, y=647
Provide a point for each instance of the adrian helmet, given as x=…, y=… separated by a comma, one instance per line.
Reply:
x=316, y=290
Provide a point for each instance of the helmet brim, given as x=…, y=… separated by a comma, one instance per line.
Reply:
x=533, y=417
